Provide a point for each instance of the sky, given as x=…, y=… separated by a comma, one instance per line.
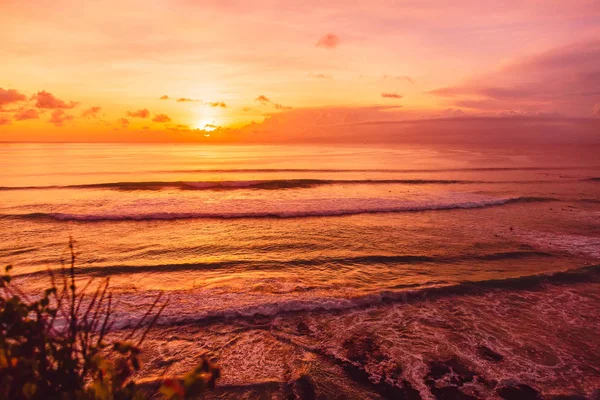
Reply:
x=288, y=71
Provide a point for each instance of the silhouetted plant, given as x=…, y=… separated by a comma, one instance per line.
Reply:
x=56, y=347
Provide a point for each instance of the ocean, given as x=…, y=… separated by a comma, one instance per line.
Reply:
x=329, y=271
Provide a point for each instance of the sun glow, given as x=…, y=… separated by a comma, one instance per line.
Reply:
x=207, y=125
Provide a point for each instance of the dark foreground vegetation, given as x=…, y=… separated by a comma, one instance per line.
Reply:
x=55, y=346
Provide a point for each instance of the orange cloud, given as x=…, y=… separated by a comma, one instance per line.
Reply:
x=59, y=117
x=184, y=99
x=139, y=113
x=320, y=76
x=329, y=41
x=263, y=99
x=281, y=107
x=391, y=95
x=4, y=120
x=49, y=101
x=161, y=118
x=8, y=96
x=123, y=121
x=91, y=112
x=25, y=114
x=179, y=128
x=217, y=104
x=165, y=97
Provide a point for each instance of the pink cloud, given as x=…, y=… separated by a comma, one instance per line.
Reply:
x=384, y=124
x=452, y=112
x=565, y=79
x=49, y=101
x=597, y=109
x=8, y=96
x=91, y=112
x=139, y=113
x=263, y=99
x=25, y=114
x=329, y=41
x=391, y=95
x=217, y=104
x=59, y=117
x=161, y=118
x=399, y=78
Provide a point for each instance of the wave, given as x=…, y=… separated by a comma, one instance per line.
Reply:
x=110, y=270
x=273, y=214
x=326, y=304
x=258, y=184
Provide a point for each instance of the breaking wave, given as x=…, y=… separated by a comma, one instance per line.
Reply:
x=255, y=184
x=530, y=282
x=111, y=270
x=275, y=214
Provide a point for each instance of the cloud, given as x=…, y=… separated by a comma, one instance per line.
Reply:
x=212, y=126
x=8, y=96
x=263, y=99
x=452, y=112
x=49, y=101
x=329, y=41
x=383, y=124
x=320, y=76
x=161, y=118
x=399, y=78
x=25, y=114
x=281, y=107
x=4, y=120
x=179, y=127
x=217, y=104
x=139, y=113
x=123, y=121
x=91, y=112
x=565, y=79
x=391, y=95
x=165, y=97
x=450, y=91
x=59, y=117
x=184, y=99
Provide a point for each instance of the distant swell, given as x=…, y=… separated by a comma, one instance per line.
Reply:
x=255, y=184
x=531, y=282
x=273, y=214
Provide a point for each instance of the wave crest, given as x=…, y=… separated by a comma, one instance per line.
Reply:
x=272, y=184
x=274, y=214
